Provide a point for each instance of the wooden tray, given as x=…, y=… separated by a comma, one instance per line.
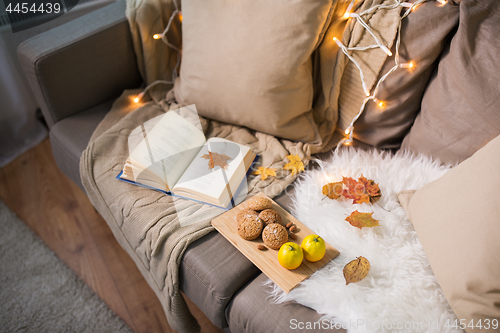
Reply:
x=267, y=261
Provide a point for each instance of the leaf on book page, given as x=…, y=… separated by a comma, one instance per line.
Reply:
x=264, y=172
x=215, y=159
x=296, y=165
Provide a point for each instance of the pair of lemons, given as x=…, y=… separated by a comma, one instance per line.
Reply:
x=290, y=255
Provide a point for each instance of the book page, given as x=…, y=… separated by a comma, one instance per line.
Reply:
x=199, y=177
x=168, y=148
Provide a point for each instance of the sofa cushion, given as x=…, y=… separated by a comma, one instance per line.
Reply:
x=456, y=220
x=424, y=34
x=460, y=106
x=211, y=272
x=253, y=311
x=70, y=136
x=249, y=63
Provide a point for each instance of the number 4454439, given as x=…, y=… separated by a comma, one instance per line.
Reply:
x=24, y=8
x=480, y=324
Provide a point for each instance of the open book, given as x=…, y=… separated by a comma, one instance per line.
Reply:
x=174, y=157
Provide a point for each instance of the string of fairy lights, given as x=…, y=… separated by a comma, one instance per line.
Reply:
x=349, y=14
x=163, y=36
x=371, y=96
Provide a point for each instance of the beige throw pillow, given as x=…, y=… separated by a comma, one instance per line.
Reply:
x=249, y=63
x=457, y=219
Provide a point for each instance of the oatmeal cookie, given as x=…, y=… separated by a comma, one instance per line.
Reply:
x=269, y=216
x=246, y=215
x=250, y=228
x=274, y=235
x=259, y=203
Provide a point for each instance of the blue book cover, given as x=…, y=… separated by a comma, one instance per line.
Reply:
x=231, y=204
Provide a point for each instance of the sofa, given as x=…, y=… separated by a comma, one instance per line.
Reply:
x=78, y=70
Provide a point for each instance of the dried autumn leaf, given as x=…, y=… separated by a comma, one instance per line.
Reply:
x=333, y=190
x=354, y=191
x=264, y=172
x=215, y=159
x=296, y=165
x=360, y=220
x=356, y=270
x=363, y=190
x=370, y=188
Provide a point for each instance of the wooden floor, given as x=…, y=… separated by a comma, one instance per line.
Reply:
x=62, y=216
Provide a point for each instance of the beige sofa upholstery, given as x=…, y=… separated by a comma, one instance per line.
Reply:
x=76, y=72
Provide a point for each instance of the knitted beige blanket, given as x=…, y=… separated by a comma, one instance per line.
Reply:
x=146, y=222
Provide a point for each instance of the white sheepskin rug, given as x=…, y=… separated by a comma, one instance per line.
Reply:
x=400, y=292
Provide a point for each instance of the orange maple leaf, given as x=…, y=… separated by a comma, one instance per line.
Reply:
x=360, y=220
x=296, y=165
x=370, y=187
x=354, y=191
x=363, y=190
x=215, y=159
x=264, y=172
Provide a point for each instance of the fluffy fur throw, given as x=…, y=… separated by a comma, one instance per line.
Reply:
x=400, y=292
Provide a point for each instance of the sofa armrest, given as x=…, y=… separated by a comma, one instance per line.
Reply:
x=81, y=64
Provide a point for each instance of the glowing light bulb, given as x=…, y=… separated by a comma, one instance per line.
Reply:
x=156, y=36
x=180, y=16
x=138, y=98
x=409, y=65
x=414, y=7
x=347, y=131
x=348, y=10
x=333, y=179
x=386, y=50
x=347, y=142
x=365, y=88
x=442, y=2
x=380, y=104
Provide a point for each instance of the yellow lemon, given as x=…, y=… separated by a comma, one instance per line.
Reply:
x=314, y=247
x=290, y=255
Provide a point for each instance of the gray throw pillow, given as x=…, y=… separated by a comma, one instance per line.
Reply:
x=424, y=34
x=461, y=106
